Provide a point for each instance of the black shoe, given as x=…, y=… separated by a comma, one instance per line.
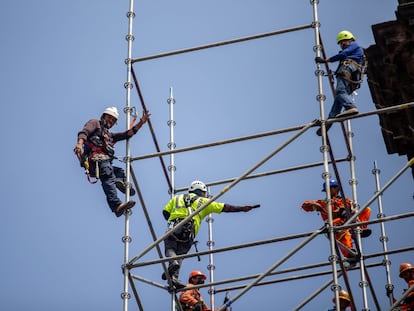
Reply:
x=172, y=268
x=120, y=184
x=366, y=233
x=123, y=207
x=177, y=284
x=319, y=131
x=351, y=261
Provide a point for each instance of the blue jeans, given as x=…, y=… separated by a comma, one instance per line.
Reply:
x=108, y=176
x=343, y=92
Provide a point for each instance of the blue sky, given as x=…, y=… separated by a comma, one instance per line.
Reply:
x=62, y=63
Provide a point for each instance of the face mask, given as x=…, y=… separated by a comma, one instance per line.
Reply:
x=200, y=281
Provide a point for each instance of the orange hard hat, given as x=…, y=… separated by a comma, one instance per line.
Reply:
x=196, y=273
x=343, y=294
x=405, y=267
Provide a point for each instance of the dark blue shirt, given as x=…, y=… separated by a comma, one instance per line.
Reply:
x=352, y=51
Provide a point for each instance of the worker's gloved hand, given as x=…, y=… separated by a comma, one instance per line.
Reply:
x=312, y=205
x=246, y=208
x=319, y=60
x=344, y=214
x=198, y=306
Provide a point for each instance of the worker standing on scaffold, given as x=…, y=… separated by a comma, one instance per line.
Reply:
x=178, y=208
x=407, y=273
x=95, y=150
x=344, y=301
x=339, y=217
x=348, y=75
x=191, y=299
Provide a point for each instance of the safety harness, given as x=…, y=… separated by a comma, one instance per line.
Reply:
x=187, y=232
x=97, y=148
x=353, y=76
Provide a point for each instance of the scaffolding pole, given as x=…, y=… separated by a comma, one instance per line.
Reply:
x=128, y=86
x=333, y=258
x=383, y=239
x=211, y=266
x=379, y=192
x=357, y=233
x=171, y=144
x=171, y=169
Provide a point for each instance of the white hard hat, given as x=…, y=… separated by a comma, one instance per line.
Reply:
x=112, y=111
x=196, y=184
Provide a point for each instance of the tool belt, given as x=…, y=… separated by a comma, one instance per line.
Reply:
x=185, y=233
x=352, y=72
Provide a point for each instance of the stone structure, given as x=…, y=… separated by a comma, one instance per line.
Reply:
x=391, y=78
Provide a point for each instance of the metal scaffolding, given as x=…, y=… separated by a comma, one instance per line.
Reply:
x=335, y=263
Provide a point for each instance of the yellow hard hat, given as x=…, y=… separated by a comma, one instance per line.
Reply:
x=404, y=267
x=344, y=35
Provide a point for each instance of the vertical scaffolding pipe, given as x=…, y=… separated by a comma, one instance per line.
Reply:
x=171, y=167
x=128, y=86
x=211, y=267
x=353, y=182
x=171, y=144
x=333, y=258
x=383, y=239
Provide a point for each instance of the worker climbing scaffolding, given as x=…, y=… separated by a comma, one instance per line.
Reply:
x=342, y=208
x=348, y=74
x=95, y=151
x=181, y=206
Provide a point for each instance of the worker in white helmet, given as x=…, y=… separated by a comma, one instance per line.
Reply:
x=178, y=208
x=96, y=145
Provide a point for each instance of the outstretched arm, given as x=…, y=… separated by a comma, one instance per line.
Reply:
x=233, y=208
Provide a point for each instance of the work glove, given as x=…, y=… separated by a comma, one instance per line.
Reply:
x=198, y=306
x=319, y=60
x=246, y=208
x=344, y=214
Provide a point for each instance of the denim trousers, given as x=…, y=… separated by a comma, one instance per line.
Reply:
x=108, y=176
x=343, y=93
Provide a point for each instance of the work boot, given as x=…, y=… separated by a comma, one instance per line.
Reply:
x=351, y=262
x=365, y=233
x=175, y=285
x=121, y=185
x=172, y=269
x=347, y=113
x=319, y=131
x=123, y=207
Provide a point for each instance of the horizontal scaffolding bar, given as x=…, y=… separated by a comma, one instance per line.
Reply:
x=291, y=278
x=284, y=170
x=377, y=111
x=270, y=133
x=222, y=43
x=262, y=242
x=219, y=143
x=223, y=249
